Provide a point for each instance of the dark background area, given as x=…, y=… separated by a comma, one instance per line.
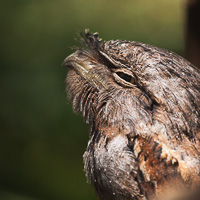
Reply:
x=41, y=140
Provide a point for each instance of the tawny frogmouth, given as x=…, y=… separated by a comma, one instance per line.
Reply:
x=143, y=106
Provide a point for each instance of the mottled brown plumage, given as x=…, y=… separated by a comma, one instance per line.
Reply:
x=143, y=106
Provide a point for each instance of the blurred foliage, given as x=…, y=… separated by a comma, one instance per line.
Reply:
x=42, y=141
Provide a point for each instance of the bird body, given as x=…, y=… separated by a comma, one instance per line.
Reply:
x=143, y=105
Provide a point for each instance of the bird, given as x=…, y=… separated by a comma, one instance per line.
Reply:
x=142, y=104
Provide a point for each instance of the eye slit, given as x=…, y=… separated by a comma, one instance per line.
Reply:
x=126, y=77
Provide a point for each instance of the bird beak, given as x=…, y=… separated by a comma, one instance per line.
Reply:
x=82, y=66
x=75, y=60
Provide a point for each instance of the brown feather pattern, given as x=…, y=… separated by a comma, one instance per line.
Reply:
x=144, y=139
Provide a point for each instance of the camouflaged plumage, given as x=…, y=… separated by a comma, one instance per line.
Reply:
x=143, y=105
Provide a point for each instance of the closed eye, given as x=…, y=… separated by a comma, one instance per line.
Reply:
x=124, y=79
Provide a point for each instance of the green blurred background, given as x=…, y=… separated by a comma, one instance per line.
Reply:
x=41, y=140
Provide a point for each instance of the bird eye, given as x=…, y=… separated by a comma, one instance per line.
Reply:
x=124, y=79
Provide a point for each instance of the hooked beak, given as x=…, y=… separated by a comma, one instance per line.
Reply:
x=81, y=64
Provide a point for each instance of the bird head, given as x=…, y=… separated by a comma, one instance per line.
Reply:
x=133, y=86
